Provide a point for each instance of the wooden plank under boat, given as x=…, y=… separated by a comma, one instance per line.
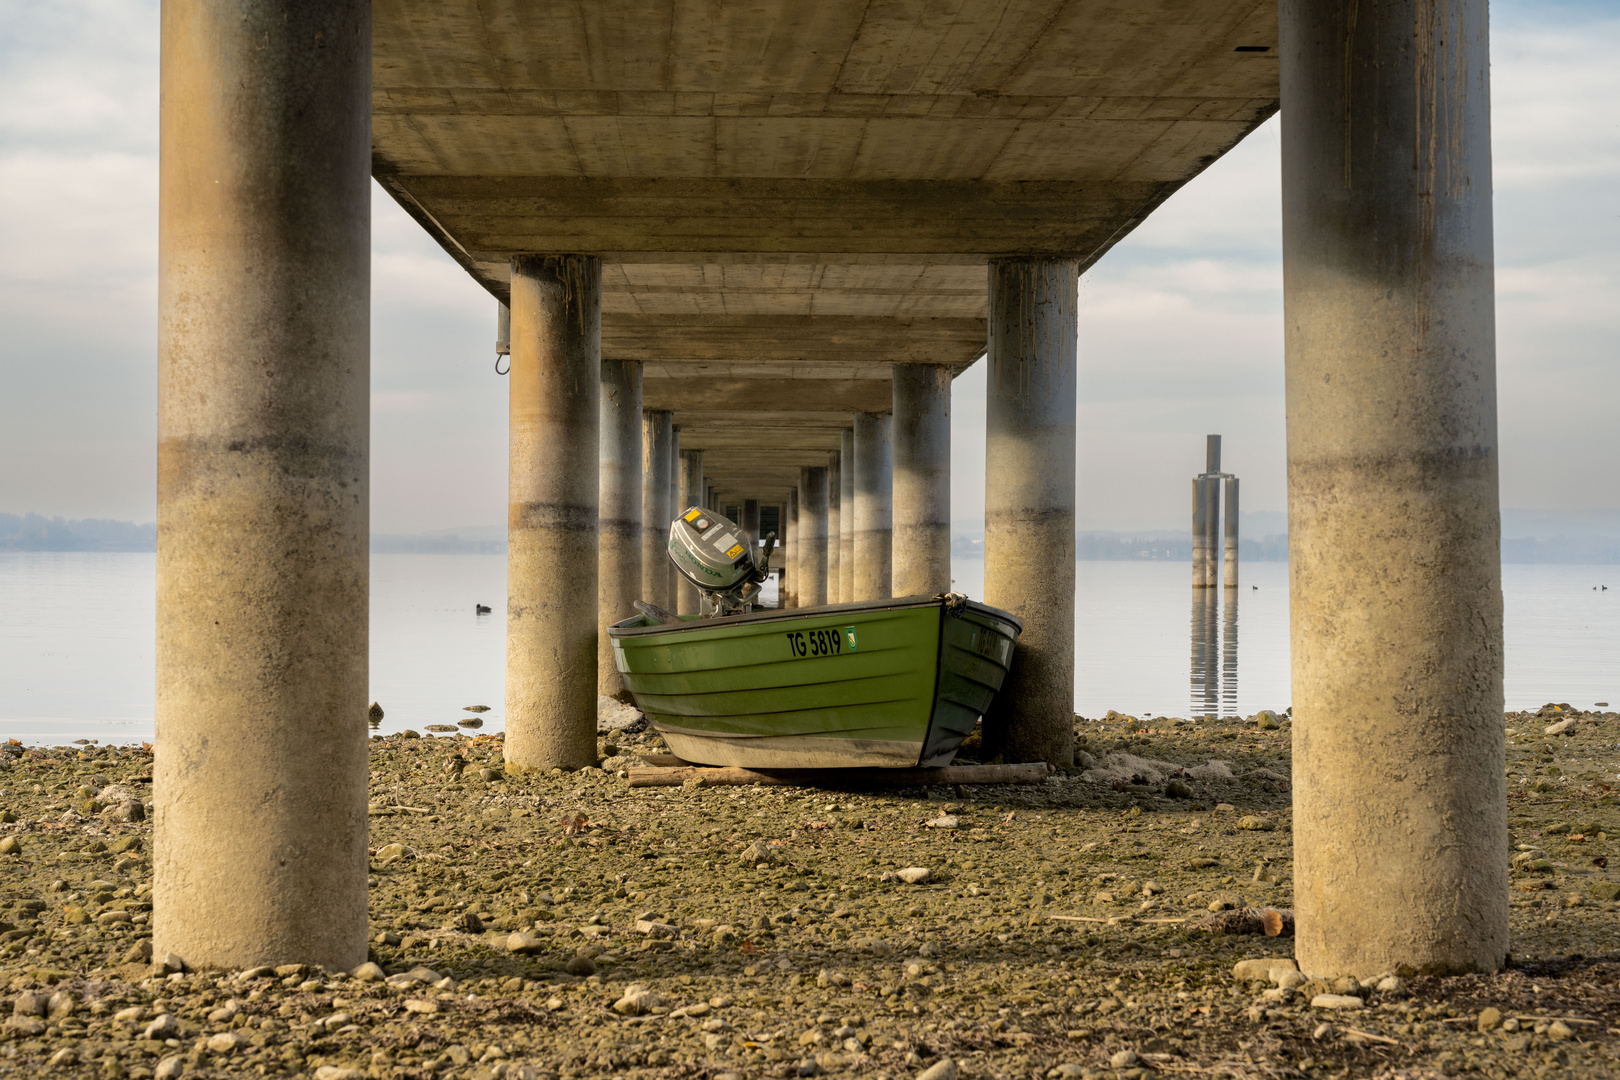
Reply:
x=887, y=684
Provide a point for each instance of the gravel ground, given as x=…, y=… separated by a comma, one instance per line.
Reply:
x=570, y=925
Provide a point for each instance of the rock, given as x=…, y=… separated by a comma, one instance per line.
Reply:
x=468, y=922
x=170, y=1068
x=943, y=1069
x=523, y=943
x=914, y=875
x=757, y=853
x=1563, y=727
x=169, y=965
x=421, y=1006
x=944, y=821
x=655, y=929
x=338, y=1072
x=25, y=1026
x=1264, y=969
x=29, y=1004
x=1266, y=720
x=63, y=1058
x=132, y=1015
x=1124, y=1059
x=1606, y=890
x=1490, y=1019
x=223, y=1043
x=409, y=734
x=1178, y=789
x=1336, y=1001
x=1255, y=823
x=369, y=972
x=1288, y=980
x=225, y=1013
x=61, y=1004
x=616, y=716
x=582, y=966
x=1559, y=1031
x=11, y=845
x=637, y=1001
x=164, y=1027
x=1392, y=986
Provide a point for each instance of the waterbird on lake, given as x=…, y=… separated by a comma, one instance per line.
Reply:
x=481, y=609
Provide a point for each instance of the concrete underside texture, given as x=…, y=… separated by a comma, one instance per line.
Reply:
x=686, y=594
x=1029, y=501
x=812, y=561
x=551, y=590
x=619, y=495
x=922, y=480
x=874, y=506
x=263, y=499
x=1392, y=489
x=656, y=508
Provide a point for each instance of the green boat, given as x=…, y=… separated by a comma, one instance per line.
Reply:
x=888, y=684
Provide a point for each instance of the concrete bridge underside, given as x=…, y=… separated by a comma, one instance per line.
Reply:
x=753, y=244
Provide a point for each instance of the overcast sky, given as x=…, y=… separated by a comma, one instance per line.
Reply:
x=1180, y=325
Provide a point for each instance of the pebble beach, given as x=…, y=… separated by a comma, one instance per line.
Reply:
x=1128, y=918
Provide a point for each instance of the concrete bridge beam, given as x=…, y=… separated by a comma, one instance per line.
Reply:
x=1392, y=488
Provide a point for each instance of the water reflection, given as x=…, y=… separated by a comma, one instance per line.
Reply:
x=1214, y=673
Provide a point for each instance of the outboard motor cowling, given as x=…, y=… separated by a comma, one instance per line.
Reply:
x=717, y=556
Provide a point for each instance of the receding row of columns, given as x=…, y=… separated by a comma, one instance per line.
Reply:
x=263, y=503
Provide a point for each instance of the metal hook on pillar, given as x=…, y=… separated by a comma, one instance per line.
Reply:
x=503, y=339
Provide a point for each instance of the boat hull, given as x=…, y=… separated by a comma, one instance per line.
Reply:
x=894, y=684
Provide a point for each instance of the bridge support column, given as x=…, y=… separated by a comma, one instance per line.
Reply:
x=552, y=527
x=1394, y=532
x=846, y=518
x=813, y=535
x=687, y=596
x=874, y=506
x=263, y=491
x=835, y=512
x=790, y=565
x=656, y=513
x=676, y=506
x=1029, y=501
x=922, y=479
x=618, y=584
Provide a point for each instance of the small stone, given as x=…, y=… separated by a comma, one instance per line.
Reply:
x=914, y=875
x=523, y=943
x=164, y=1027
x=26, y=1026
x=637, y=1000
x=1558, y=1030
x=225, y=1013
x=61, y=1005
x=757, y=853
x=1124, y=1059
x=944, y=821
x=170, y=964
x=1176, y=789
x=581, y=965
x=11, y=845
x=943, y=1069
x=132, y=1015
x=338, y=1072
x=1288, y=980
x=29, y=1004
x=223, y=1043
x=1490, y=1019
x=1254, y=823
x=409, y=734
x=172, y=1067
x=1563, y=727
x=369, y=972
x=655, y=929
x=1336, y=1001
x=423, y=1006
x=63, y=1058
x=1263, y=969
x=140, y=952
x=389, y=853
x=1392, y=986
x=1266, y=720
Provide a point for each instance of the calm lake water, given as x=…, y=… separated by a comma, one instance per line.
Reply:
x=76, y=652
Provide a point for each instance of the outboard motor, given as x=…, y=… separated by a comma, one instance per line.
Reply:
x=716, y=555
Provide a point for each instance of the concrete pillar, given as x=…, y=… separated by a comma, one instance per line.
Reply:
x=618, y=581
x=263, y=501
x=846, y=518
x=1229, y=577
x=1396, y=601
x=922, y=479
x=687, y=596
x=750, y=519
x=874, y=506
x=834, y=540
x=1200, y=534
x=813, y=535
x=656, y=513
x=791, y=563
x=676, y=506
x=1029, y=501
x=552, y=529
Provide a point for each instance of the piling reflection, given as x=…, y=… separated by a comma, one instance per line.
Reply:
x=1214, y=674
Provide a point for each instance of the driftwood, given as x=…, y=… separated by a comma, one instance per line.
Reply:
x=1272, y=922
x=1031, y=773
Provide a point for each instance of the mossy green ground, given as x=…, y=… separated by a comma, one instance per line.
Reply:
x=808, y=960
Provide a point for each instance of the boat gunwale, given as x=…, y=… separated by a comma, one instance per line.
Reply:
x=624, y=628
